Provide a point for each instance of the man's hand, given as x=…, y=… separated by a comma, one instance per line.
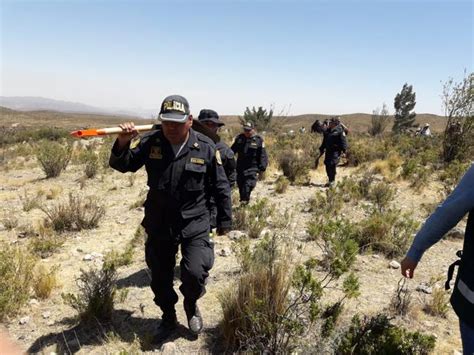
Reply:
x=408, y=267
x=128, y=133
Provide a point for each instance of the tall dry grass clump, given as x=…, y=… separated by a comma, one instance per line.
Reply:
x=17, y=275
x=75, y=214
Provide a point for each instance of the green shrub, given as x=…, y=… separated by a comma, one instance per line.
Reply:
x=389, y=232
x=281, y=184
x=294, y=165
x=376, y=335
x=53, y=157
x=327, y=204
x=45, y=245
x=17, y=270
x=74, y=215
x=95, y=301
x=381, y=194
x=253, y=218
x=452, y=174
x=438, y=304
x=335, y=238
x=30, y=202
x=114, y=259
x=91, y=163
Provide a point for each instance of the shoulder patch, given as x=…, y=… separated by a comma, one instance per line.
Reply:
x=134, y=143
x=218, y=157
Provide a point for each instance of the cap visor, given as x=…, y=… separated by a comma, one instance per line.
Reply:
x=247, y=128
x=173, y=117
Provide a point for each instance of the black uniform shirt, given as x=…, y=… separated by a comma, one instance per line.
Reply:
x=180, y=187
x=251, y=153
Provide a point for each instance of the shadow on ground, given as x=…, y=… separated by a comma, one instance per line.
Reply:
x=124, y=326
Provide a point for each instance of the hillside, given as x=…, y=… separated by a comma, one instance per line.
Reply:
x=358, y=122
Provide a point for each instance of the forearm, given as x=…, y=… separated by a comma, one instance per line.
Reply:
x=446, y=216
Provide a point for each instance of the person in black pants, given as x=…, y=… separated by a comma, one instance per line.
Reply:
x=251, y=159
x=333, y=145
x=184, y=172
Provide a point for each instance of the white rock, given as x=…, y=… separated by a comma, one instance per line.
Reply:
x=96, y=255
x=264, y=232
x=33, y=302
x=424, y=288
x=169, y=348
x=376, y=256
x=24, y=320
x=87, y=257
x=394, y=264
x=2, y=227
x=46, y=315
x=235, y=235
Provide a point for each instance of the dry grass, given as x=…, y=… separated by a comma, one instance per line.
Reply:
x=45, y=281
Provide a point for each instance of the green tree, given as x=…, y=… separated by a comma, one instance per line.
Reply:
x=404, y=104
x=261, y=118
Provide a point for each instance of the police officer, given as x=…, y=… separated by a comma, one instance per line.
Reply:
x=251, y=159
x=184, y=170
x=446, y=216
x=210, y=119
x=334, y=143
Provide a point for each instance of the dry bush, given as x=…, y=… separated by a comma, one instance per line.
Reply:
x=45, y=281
x=281, y=184
x=53, y=157
x=438, y=304
x=10, y=220
x=400, y=304
x=95, y=301
x=75, y=214
x=17, y=270
x=31, y=202
x=452, y=174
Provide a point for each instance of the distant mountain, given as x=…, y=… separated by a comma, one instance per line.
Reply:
x=31, y=103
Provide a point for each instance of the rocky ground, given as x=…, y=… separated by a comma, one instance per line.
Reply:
x=44, y=323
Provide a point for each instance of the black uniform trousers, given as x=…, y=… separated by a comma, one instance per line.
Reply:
x=246, y=181
x=331, y=160
x=197, y=259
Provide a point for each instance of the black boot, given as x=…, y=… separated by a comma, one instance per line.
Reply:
x=193, y=314
x=167, y=327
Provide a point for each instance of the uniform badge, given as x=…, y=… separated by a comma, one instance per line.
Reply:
x=218, y=157
x=197, y=161
x=135, y=143
x=155, y=153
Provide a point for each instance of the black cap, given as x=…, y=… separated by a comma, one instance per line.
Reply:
x=174, y=108
x=207, y=115
x=248, y=126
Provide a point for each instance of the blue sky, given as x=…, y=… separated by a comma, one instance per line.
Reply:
x=301, y=56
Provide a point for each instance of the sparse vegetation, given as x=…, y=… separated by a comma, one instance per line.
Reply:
x=376, y=335
x=281, y=184
x=438, y=303
x=45, y=281
x=74, y=215
x=53, y=157
x=95, y=301
x=295, y=166
x=17, y=270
